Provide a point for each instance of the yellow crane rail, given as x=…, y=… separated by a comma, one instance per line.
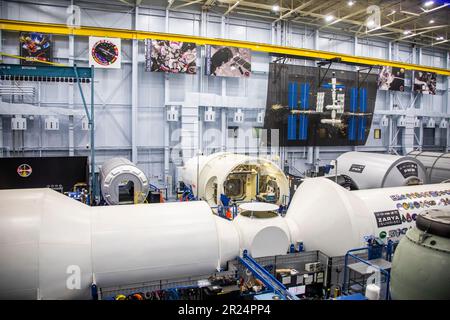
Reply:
x=14, y=25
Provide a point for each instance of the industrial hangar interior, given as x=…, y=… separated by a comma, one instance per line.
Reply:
x=224, y=149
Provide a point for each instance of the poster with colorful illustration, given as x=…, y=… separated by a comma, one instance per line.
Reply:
x=105, y=52
x=225, y=61
x=391, y=78
x=425, y=82
x=170, y=56
x=35, y=47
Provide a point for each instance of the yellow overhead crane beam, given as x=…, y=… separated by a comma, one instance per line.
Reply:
x=14, y=25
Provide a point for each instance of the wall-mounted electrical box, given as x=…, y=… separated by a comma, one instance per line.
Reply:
x=239, y=116
x=18, y=123
x=172, y=114
x=431, y=123
x=384, y=122
x=51, y=123
x=443, y=124
x=85, y=124
x=401, y=122
x=210, y=115
x=260, y=117
x=417, y=122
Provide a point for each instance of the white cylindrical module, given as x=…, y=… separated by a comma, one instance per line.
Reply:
x=436, y=163
x=51, y=244
x=374, y=170
x=122, y=182
x=334, y=220
x=239, y=177
x=262, y=232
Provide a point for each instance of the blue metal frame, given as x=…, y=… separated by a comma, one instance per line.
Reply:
x=266, y=277
x=54, y=74
x=349, y=254
x=16, y=70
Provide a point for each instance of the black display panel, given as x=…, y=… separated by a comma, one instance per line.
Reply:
x=292, y=98
x=60, y=173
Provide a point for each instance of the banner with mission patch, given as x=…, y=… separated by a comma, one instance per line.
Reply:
x=105, y=52
x=35, y=47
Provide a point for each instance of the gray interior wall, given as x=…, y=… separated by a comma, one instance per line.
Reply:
x=156, y=91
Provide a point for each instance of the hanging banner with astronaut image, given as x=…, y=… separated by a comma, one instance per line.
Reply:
x=225, y=61
x=105, y=52
x=391, y=78
x=35, y=47
x=170, y=56
x=425, y=82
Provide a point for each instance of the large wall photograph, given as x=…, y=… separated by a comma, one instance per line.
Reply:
x=170, y=56
x=222, y=61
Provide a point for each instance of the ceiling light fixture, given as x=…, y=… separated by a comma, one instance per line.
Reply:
x=428, y=3
x=440, y=38
x=431, y=21
x=329, y=18
x=351, y=3
x=275, y=8
x=406, y=32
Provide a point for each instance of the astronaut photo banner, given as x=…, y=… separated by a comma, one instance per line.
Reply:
x=223, y=61
x=36, y=48
x=391, y=78
x=170, y=56
x=105, y=52
x=425, y=82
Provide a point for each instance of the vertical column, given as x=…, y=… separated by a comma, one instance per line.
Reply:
x=134, y=89
x=166, y=123
x=447, y=99
x=1, y=119
x=71, y=96
x=224, y=114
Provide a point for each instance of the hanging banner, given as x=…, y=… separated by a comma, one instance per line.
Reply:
x=224, y=61
x=170, y=56
x=105, y=52
x=391, y=78
x=35, y=47
x=425, y=82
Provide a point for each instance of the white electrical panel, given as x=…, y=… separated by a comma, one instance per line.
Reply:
x=239, y=116
x=210, y=115
x=85, y=124
x=401, y=121
x=260, y=117
x=443, y=124
x=431, y=123
x=18, y=123
x=172, y=114
x=384, y=121
x=51, y=123
x=417, y=122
